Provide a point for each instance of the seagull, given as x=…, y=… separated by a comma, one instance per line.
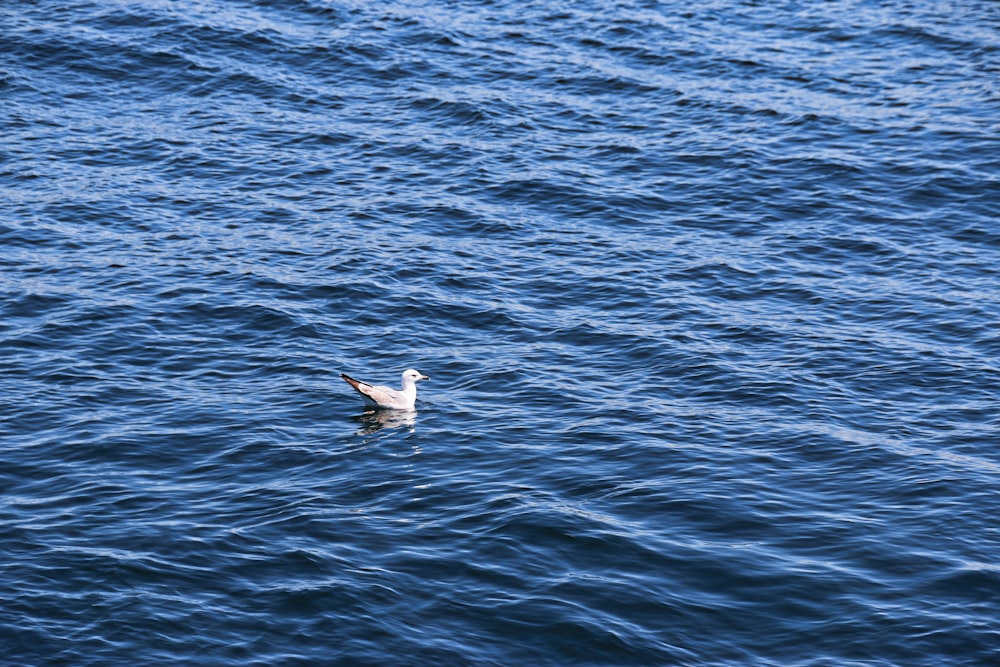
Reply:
x=377, y=396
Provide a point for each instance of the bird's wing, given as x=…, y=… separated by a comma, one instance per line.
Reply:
x=373, y=395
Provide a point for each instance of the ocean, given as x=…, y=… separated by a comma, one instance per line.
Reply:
x=708, y=295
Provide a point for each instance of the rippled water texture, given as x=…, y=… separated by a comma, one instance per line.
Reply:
x=708, y=293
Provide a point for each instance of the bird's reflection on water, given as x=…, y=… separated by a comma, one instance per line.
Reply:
x=373, y=421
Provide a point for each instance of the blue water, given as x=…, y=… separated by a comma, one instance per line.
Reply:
x=708, y=293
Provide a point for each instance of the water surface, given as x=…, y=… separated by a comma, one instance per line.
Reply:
x=708, y=296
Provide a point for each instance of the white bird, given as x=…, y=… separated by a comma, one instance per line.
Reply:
x=377, y=396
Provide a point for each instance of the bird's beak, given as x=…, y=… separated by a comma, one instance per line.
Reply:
x=424, y=377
